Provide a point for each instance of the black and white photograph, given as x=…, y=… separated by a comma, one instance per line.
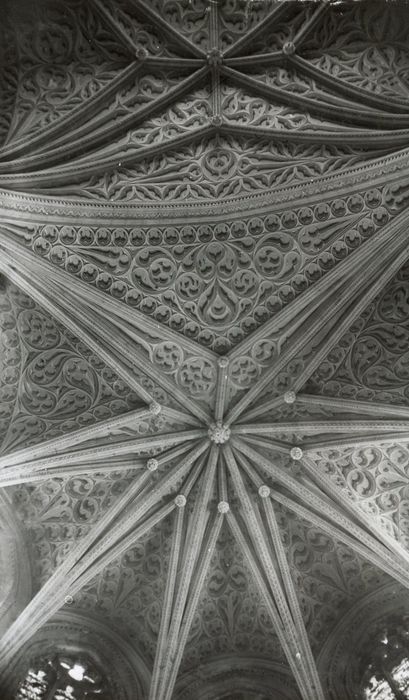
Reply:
x=204, y=350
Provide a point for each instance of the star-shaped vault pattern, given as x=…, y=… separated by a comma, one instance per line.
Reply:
x=176, y=335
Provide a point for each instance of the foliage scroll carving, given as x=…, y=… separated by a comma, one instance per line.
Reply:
x=217, y=283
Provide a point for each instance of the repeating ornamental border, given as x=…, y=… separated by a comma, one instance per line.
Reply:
x=380, y=170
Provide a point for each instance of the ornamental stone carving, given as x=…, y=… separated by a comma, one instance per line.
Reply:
x=105, y=647
x=217, y=284
x=203, y=346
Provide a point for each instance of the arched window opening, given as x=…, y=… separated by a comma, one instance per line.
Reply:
x=385, y=667
x=244, y=696
x=63, y=678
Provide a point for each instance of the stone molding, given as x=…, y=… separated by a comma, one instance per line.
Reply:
x=379, y=171
x=234, y=674
x=15, y=570
x=337, y=659
x=75, y=632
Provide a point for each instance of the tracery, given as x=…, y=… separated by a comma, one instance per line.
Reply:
x=204, y=316
x=386, y=662
x=62, y=677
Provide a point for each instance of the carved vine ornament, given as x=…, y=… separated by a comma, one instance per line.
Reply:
x=204, y=315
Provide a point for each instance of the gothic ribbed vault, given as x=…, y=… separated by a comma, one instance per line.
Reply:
x=204, y=309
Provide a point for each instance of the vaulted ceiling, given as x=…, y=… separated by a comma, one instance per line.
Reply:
x=204, y=310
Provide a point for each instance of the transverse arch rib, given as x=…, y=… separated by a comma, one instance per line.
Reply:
x=72, y=573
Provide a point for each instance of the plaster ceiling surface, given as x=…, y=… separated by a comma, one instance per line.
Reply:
x=204, y=313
